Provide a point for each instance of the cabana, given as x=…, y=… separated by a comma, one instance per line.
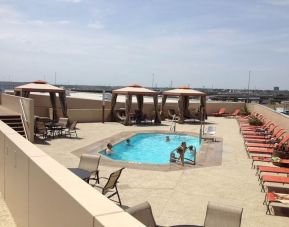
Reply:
x=184, y=94
x=139, y=92
x=42, y=86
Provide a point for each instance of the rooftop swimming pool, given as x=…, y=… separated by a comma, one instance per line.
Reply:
x=151, y=148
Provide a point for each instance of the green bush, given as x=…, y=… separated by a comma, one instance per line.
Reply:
x=255, y=121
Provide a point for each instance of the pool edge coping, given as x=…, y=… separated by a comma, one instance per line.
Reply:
x=207, y=156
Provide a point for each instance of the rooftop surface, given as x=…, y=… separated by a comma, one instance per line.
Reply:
x=177, y=197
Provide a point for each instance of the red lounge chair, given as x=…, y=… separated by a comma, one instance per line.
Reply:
x=271, y=169
x=272, y=199
x=255, y=127
x=273, y=179
x=266, y=139
x=266, y=159
x=234, y=114
x=220, y=113
x=263, y=145
x=265, y=131
x=267, y=150
x=268, y=142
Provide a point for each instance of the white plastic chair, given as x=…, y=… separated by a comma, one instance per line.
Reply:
x=211, y=130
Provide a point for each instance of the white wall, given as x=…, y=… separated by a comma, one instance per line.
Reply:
x=41, y=192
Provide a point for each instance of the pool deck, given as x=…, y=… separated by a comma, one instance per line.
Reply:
x=179, y=197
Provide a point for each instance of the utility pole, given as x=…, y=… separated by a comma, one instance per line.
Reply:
x=249, y=86
x=153, y=80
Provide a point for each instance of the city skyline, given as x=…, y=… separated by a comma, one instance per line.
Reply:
x=191, y=42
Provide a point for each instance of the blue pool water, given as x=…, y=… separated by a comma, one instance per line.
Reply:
x=151, y=148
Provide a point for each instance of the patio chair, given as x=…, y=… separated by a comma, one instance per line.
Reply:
x=71, y=129
x=40, y=129
x=90, y=163
x=223, y=216
x=220, y=113
x=216, y=216
x=110, y=188
x=63, y=121
x=143, y=213
x=211, y=130
x=210, y=133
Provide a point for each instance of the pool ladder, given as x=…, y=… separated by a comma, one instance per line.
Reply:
x=173, y=125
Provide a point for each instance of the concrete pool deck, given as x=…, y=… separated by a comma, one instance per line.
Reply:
x=179, y=197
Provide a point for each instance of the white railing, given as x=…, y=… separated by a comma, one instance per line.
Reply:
x=24, y=119
x=173, y=125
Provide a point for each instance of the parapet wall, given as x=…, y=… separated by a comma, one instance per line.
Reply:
x=41, y=192
x=280, y=119
x=13, y=103
x=86, y=110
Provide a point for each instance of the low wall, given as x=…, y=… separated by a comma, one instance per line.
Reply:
x=277, y=118
x=87, y=110
x=12, y=102
x=41, y=192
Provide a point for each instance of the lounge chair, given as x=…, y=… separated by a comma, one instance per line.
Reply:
x=260, y=131
x=216, y=216
x=110, y=188
x=220, y=113
x=234, y=114
x=265, y=150
x=271, y=169
x=275, y=138
x=90, y=163
x=275, y=199
x=266, y=139
x=273, y=179
x=268, y=159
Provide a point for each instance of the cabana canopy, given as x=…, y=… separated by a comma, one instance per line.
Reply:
x=139, y=92
x=42, y=86
x=183, y=91
x=183, y=104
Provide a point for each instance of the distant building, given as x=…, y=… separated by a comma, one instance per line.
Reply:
x=276, y=88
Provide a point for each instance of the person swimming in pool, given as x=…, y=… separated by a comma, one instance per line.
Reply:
x=181, y=151
x=108, y=149
x=128, y=142
x=168, y=139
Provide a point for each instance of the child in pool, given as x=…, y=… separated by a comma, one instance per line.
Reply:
x=108, y=149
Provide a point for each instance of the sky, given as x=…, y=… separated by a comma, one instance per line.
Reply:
x=199, y=43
